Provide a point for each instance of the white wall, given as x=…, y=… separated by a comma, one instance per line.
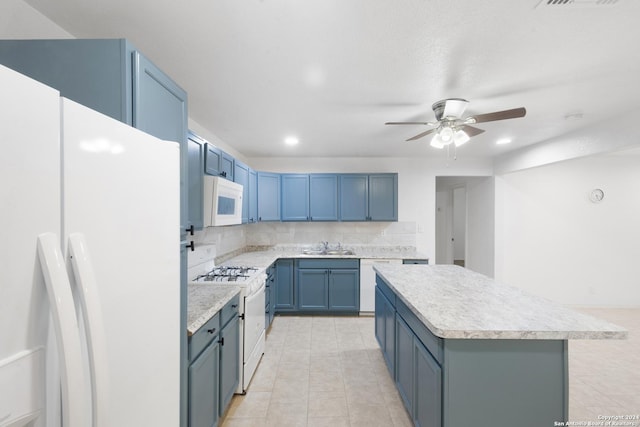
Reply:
x=480, y=225
x=19, y=20
x=416, y=182
x=552, y=241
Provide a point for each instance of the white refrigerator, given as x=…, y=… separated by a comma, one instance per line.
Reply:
x=89, y=266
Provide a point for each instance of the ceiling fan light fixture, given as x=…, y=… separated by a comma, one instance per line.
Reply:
x=446, y=133
x=436, y=141
x=460, y=137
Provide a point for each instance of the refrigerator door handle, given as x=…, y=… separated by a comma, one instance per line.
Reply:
x=87, y=288
x=73, y=393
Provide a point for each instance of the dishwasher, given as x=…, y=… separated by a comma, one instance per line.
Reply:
x=368, y=282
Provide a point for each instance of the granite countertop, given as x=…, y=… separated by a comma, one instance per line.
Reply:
x=264, y=257
x=204, y=301
x=454, y=302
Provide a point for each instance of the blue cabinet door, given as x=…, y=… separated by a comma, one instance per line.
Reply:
x=203, y=388
x=427, y=408
x=241, y=176
x=226, y=166
x=195, y=210
x=344, y=290
x=383, y=197
x=313, y=289
x=323, y=197
x=385, y=325
x=160, y=105
x=284, y=290
x=96, y=73
x=213, y=157
x=404, y=363
x=295, y=197
x=268, y=196
x=229, y=362
x=253, y=196
x=354, y=197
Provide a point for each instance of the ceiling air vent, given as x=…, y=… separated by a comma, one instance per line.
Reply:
x=575, y=4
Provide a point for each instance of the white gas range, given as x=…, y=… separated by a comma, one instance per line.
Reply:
x=251, y=311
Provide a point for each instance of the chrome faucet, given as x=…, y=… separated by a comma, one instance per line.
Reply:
x=325, y=246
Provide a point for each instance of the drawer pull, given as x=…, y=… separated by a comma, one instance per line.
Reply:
x=211, y=331
x=221, y=341
x=234, y=306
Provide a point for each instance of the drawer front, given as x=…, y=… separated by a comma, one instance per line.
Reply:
x=204, y=336
x=229, y=311
x=433, y=343
x=415, y=261
x=386, y=290
x=328, y=263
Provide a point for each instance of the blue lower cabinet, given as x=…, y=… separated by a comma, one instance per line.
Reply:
x=203, y=387
x=427, y=400
x=328, y=285
x=229, y=362
x=214, y=367
x=284, y=290
x=404, y=375
x=313, y=289
x=385, y=329
x=344, y=290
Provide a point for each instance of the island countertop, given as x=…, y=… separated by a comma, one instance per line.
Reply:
x=454, y=302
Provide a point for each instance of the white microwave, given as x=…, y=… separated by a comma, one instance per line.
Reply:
x=222, y=201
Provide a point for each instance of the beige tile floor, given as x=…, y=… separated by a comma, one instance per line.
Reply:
x=328, y=371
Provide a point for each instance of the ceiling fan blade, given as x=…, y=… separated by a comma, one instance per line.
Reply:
x=499, y=115
x=420, y=135
x=410, y=123
x=471, y=131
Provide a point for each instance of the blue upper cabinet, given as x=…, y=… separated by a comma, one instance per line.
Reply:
x=268, y=196
x=106, y=75
x=159, y=104
x=295, y=197
x=212, y=161
x=219, y=163
x=241, y=176
x=354, y=197
x=383, y=197
x=253, y=196
x=226, y=166
x=369, y=197
x=323, y=197
x=309, y=197
x=196, y=148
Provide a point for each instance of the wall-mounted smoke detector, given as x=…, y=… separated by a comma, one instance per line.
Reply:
x=576, y=4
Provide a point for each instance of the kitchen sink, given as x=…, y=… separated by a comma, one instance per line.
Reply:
x=327, y=252
x=339, y=252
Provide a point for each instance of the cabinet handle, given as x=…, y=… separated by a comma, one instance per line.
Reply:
x=190, y=230
x=259, y=218
x=234, y=305
x=223, y=174
x=191, y=245
x=221, y=341
x=212, y=330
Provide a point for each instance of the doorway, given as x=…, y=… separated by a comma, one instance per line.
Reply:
x=465, y=222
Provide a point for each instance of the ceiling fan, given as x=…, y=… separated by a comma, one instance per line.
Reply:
x=450, y=127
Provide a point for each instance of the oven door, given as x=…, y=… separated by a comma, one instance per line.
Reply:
x=253, y=332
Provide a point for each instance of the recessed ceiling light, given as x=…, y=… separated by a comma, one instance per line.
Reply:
x=291, y=140
x=503, y=141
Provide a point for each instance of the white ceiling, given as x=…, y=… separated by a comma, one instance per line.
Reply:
x=332, y=72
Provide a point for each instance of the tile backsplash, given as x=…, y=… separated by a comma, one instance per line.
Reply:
x=234, y=238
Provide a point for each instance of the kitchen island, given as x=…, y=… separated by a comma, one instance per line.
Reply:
x=465, y=350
